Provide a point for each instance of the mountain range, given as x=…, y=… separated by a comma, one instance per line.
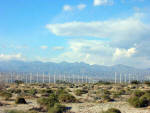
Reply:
x=64, y=67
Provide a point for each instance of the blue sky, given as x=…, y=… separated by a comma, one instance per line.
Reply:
x=105, y=32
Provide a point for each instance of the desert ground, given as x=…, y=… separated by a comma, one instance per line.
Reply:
x=75, y=98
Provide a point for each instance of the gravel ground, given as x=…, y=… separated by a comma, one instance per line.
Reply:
x=83, y=107
x=24, y=107
x=98, y=107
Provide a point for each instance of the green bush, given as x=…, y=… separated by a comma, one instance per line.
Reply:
x=138, y=93
x=20, y=100
x=58, y=108
x=143, y=101
x=19, y=82
x=6, y=95
x=135, y=82
x=103, y=82
x=43, y=91
x=79, y=92
x=116, y=95
x=134, y=101
x=17, y=91
x=66, y=98
x=52, y=103
x=112, y=110
x=48, y=102
x=140, y=99
x=106, y=98
x=33, y=91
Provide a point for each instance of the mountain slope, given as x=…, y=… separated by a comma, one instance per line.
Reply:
x=64, y=67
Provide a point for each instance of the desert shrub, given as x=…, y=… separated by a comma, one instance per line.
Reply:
x=122, y=92
x=140, y=99
x=79, y=92
x=66, y=98
x=106, y=98
x=135, y=82
x=17, y=91
x=58, y=108
x=44, y=102
x=52, y=103
x=147, y=83
x=103, y=82
x=47, y=102
x=147, y=95
x=32, y=111
x=143, y=101
x=20, y=100
x=138, y=93
x=116, y=95
x=134, y=101
x=48, y=91
x=106, y=92
x=61, y=91
x=6, y=95
x=33, y=91
x=112, y=110
x=19, y=82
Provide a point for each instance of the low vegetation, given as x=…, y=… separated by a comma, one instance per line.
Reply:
x=79, y=92
x=56, y=98
x=5, y=95
x=112, y=110
x=140, y=99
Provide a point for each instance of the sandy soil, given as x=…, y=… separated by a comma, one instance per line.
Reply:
x=25, y=107
x=98, y=107
x=81, y=107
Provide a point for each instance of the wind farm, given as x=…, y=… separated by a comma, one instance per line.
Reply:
x=74, y=56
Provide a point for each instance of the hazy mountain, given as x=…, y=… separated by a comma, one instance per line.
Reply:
x=64, y=67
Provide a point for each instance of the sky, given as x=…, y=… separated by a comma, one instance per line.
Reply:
x=103, y=32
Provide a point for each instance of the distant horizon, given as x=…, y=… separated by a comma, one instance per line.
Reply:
x=72, y=63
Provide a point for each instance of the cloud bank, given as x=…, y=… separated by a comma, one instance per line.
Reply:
x=123, y=41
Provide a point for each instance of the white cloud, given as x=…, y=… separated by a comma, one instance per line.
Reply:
x=124, y=41
x=44, y=47
x=89, y=51
x=58, y=48
x=67, y=8
x=102, y=2
x=109, y=28
x=74, y=8
x=100, y=52
x=11, y=57
x=124, y=53
x=81, y=6
x=118, y=30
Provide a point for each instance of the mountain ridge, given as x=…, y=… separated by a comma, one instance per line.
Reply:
x=65, y=67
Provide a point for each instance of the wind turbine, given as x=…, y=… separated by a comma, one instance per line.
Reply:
x=54, y=78
x=30, y=78
x=49, y=78
x=43, y=78
x=120, y=78
x=115, y=77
